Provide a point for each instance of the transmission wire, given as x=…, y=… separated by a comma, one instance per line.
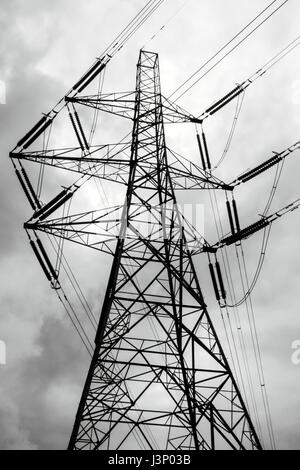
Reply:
x=165, y=24
x=242, y=340
x=261, y=369
x=239, y=105
x=254, y=338
x=228, y=53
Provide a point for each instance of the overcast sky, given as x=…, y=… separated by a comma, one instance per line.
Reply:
x=44, y=48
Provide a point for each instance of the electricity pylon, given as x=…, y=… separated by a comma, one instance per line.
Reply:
x=158, y=372
x=159, y=378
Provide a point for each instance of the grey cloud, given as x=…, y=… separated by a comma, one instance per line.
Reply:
x=44, y=47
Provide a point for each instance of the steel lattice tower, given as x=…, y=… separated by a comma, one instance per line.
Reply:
x=158, y=367
x=159, y=377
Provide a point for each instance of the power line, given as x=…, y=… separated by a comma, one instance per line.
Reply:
x=224, y=47
x=163, y=27
x=231, y=284
x=258, y=357
x=238, y=109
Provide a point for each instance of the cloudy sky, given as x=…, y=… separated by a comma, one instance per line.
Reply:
x=44, y=48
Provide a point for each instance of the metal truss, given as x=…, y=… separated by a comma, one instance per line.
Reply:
x=159, y=377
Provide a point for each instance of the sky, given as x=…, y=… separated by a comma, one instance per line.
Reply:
x=44, y=48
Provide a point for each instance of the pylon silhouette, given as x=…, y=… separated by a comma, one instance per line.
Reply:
x=158, y=376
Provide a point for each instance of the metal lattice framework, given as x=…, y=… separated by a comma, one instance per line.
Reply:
x=158, y=367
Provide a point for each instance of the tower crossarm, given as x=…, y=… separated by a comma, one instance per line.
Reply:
x=120, y=104
x=100, y=229
x=187, y=175
x=108, y=161
x=111, y=162
x=97, y=229
x=176, y=114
